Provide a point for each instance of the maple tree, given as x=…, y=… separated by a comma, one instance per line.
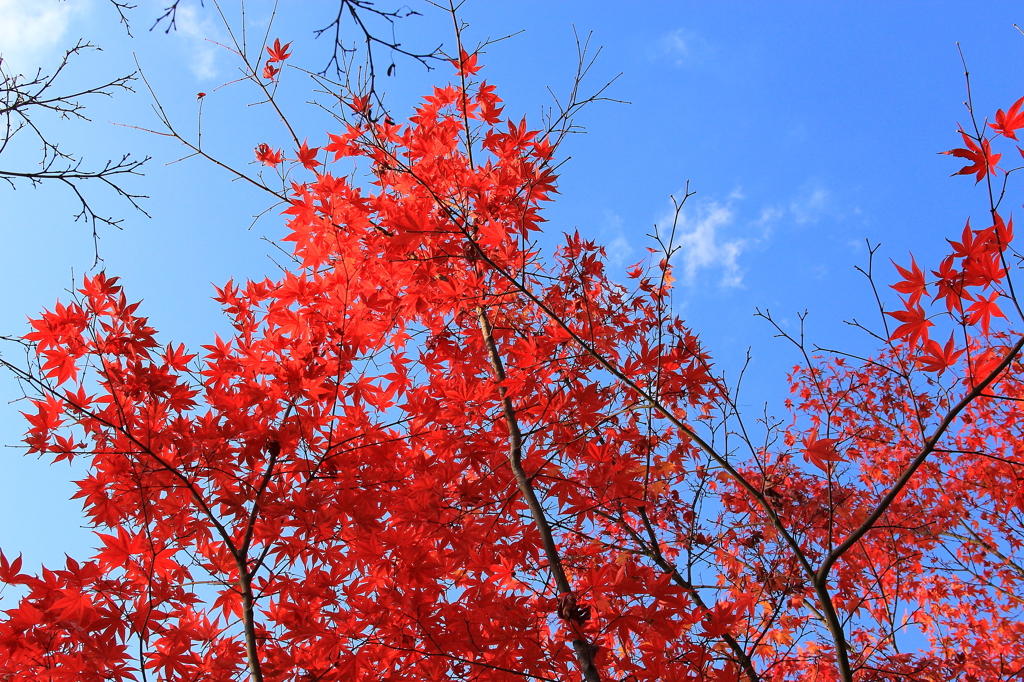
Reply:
x=426, y=451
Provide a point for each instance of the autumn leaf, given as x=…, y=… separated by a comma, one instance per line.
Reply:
x=983, y=310
x=936, y=358
x=278, y=52
x=913, y=283
x=307, y=156
x=268, y=156
x=1008, y=122
x=1003, y=230
x=719, y=621
x=915, y=324
x=358, y=104
x=821, y=451
x=10, y=571
x=466, y=63
x=951, y=285
x=983, y=161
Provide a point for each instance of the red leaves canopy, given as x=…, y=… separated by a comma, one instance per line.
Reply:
x=427, y=453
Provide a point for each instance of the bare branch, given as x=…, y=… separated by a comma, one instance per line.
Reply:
x=26, y=101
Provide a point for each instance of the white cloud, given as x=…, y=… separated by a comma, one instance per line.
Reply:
x=619, y=251
x=30, y=29
x=811, y=203
x=770, y=215
x=701, y=244
x=195, y=27
x=707, y=232
x=675, y=43
x=809, y=207
x=682, y=46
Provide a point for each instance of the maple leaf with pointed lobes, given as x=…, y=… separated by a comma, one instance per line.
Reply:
x=968, y=246
x=268, y=156
x=719, y=621
x=360, y=105
x=983, y=310
x=938, y=358
x=915, y=324
x=570, y=609
x=951, y=285
x=306, y=155
x=983, y=161
x=1008, y=122
x=10, y=572
x=466, y=63
x=1003, y=231
x=913, y=283
x=821, y=451
x=270, y=71
x=490, y=112
x=279, y=52
x=985, y=271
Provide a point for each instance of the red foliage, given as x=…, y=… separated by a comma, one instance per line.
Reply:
x=306, y=155
x=268, y=156
x=983, y=161
x=427, y=453
x=278, y=52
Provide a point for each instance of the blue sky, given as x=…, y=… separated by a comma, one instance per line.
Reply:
x=805, y=128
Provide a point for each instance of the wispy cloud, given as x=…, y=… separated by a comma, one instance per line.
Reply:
x=31, y=29
x=810, y=204
x=712, y=236
x=617, y=247
x=682, y=46
x=676, y=43
x=706, y=233
x=702, y=244
x=197, y=28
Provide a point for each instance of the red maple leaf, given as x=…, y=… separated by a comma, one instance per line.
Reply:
x=820, y=451
x=10, y=572
x=983, y=310
x=969, y=245
x=279, y=52
x=306, y=155
x=951, y=285
x=938, y=358
x=268, y=156
x=913, y=282
x=466, y=63
x=1009, y=121
x=982, y=159
x=914, y=325
x=1003, y=231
